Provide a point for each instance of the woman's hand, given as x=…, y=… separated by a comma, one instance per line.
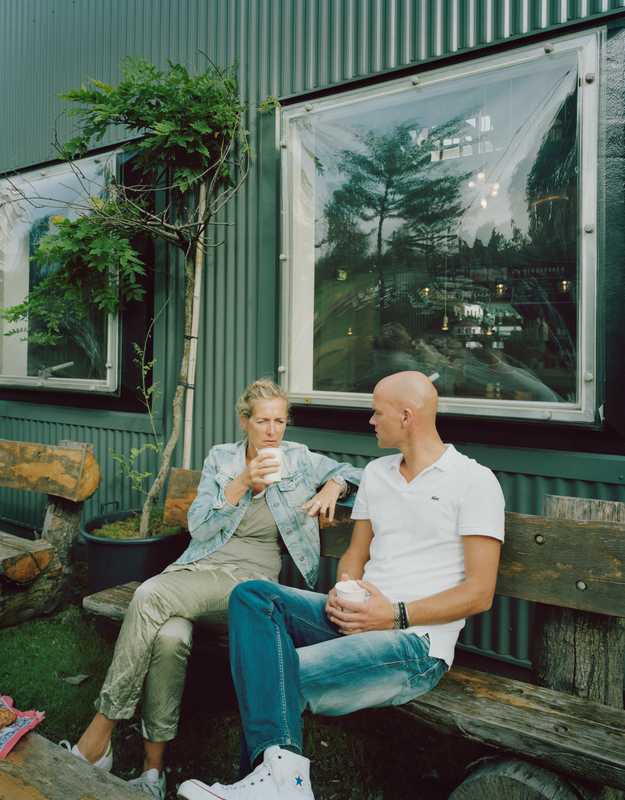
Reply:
x=324, y=501
x=256, y=471
x=253, y=477
x=374, y=614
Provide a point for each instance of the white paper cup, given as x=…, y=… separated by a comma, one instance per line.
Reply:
x=350, y=590
x=276, y=454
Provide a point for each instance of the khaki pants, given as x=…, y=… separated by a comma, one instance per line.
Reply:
x=155, y=640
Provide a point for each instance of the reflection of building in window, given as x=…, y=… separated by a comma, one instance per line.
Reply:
x=469, y=310
x=470, y=140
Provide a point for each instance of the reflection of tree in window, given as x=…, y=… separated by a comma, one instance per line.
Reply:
x=81, y=340
x=388, y=183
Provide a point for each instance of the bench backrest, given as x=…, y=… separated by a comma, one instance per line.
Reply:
x=68, y=470
x=579, y=565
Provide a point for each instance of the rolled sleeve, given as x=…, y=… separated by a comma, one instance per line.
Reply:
x=211, y=511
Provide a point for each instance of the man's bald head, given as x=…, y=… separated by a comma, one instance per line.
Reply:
x=412, y=390
x=404, y=416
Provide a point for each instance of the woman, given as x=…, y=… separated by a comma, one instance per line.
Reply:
x=239, y=522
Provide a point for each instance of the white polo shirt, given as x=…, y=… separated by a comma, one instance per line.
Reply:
x=417, y=547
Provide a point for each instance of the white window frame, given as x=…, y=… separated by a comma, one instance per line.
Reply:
x=47, y=380
x=297, y=278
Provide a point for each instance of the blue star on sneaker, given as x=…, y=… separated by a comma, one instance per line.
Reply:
x=299, y=781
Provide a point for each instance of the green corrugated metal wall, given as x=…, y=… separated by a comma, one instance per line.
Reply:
x=283, y=48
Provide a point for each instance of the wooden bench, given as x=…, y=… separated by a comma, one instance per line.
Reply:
x=34, y=575
x=575, y=567
x=37, y=769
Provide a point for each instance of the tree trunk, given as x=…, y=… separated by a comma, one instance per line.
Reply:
x=177, y=403
x=195, y=326
x=579, y=652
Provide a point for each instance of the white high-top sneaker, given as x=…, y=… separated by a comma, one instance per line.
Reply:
x=283, y=775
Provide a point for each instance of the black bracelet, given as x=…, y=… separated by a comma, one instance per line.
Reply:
x=403, y=615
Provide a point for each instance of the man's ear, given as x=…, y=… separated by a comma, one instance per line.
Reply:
x=406, y=417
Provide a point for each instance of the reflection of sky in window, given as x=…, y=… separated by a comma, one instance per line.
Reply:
x=521, y=101
x=63, y=193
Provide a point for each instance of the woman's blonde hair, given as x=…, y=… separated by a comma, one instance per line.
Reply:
x=262, y=389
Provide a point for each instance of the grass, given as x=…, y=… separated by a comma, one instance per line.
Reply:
x=368, y=756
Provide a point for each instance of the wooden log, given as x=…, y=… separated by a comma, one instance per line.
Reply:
x=37, y=575
x=562, y=732
x=37, y=769
x=61, y=526
x=575, y=651
x=23, y=560
x=69, y=471
x=512, y=779
x=31, y=579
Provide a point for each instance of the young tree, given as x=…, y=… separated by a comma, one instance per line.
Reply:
x=188, y=142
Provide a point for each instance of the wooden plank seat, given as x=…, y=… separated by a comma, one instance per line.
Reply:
x=37, y=769
x=34, y=575
x=110, y=603
x=577, y=566
x=566, y=733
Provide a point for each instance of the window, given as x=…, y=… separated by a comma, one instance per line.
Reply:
x=446, y=223
x=86, y=358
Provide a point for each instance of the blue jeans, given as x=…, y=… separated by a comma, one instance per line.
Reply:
x=285, y=656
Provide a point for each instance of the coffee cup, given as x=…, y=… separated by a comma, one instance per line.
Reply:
x=276, y=455
x=351, y=591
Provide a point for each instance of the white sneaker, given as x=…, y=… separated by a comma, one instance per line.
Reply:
x=283, y=775
x=151, y=782
x=105, y=762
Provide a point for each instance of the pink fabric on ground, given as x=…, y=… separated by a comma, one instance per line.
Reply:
x=11, y=734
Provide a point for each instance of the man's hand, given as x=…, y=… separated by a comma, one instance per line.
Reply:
x=332, y=603
x=375, y=614
x=324, y=501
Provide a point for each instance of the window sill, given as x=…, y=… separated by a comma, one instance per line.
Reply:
x=91, y=418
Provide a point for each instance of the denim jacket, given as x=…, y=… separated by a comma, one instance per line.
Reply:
x=213, y=519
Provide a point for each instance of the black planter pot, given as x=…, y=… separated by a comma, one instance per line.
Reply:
x=114, y=561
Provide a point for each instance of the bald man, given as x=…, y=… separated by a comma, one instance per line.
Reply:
x=429, y=523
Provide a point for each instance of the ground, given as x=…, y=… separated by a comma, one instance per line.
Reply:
x=367, y=756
